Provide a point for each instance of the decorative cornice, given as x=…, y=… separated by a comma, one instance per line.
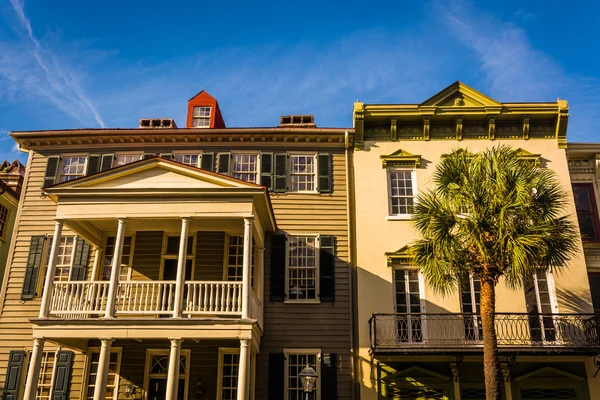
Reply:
x=401, y=158
x=400, y=256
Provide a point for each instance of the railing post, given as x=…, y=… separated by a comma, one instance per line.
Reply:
x=113, y=288
x=246, y=268
x=51, y=271
x=181, y=263
x=173, y=373
x=103, y=367
x=33, y=372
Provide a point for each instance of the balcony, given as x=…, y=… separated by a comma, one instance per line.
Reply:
x=462, y=333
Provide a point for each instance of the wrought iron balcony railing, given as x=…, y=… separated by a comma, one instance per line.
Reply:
x=451, y=332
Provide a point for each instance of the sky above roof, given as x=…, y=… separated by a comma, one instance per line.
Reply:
x=74, y=64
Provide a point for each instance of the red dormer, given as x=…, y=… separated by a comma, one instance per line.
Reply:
x=204, y=112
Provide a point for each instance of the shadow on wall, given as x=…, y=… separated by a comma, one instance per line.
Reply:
x=574, y=302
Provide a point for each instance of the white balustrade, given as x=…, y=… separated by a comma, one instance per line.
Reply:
x=145, y=297
x=78, y=298
x=210, y=297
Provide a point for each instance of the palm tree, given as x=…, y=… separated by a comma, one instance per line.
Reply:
x=495, y=215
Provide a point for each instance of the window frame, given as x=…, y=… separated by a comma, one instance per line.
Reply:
x=62, y=162
x=46, y=260
x=203, y=117
x=100, y=273
x=315, y=173
x=164, y=256
x=152, y=352
x=222, y=352
x=286, y=374
x=125, y=154
x=258, y=164
x=188, y=153
x=413, y=176
x=591, y=189
x=87, y=370
x=551, y=292
x=317, y=237
x=4, y=223
x=52, y=373
x=422, y=301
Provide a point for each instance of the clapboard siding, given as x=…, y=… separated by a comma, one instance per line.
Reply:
x=210, y=256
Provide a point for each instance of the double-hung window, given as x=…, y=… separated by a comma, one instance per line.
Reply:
x=302, y=172
x=112, y=383
x=295, y=362
x=126, y=257
x=201, y=117
x=587, y=212
x=402, y=191
x=244, y=166
x=46, y=377
x=170, y=256
x=127, y=158
x=192, y=159
x=64, y=257
x=229, y=361
x=72, y=167
x=235, y=260
x=302, y=268
x=3, y=220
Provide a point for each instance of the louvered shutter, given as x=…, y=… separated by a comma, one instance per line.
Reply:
x=223, y=162
x=329, y=376
x=80, y=260
x=93, y=164
x=280, y=172
x=32, y=268
x=208, y=162
x=167, y=156
x=51, y=175
x=62, y=375
x=12, y=384
x=107, y=161
x=266, y=170
x=277, y=271
x=327, y=268
x=325, y=173
x=277, y=376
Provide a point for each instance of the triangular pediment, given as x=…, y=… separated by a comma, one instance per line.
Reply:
x=400, y=256
x=401, y=158
x=460, y=95
x=153, y=173
x=414, y=372
x=550, y=373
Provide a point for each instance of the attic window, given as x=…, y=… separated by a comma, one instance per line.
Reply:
x=201, y=117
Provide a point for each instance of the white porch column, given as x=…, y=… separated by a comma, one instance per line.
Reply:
x=33, y=373
x=173, y=374
x=243, y=386
x=103, y=367
x=113, y=287
x=181, y=263
x=51, y=271
x=246, y=267
x=259, y=266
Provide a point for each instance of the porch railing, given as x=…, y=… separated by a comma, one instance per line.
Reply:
x=213, y=297
x=402, y=332
x=146, y=297
x=79, y=298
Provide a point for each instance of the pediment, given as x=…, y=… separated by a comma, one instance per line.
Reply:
x=400, y=256
x=413, y=372
x=549, y=373
x=401, y=158
x=460, y=95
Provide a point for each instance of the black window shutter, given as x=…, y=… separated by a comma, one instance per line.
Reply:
x=80, y=260
x=223, y=163
x=329, y=376
x=327, y=268
x=280, y=173
x=12, y=384
x=51, y=175
x=167, y=156
x=93, y=164
x=208, y=162
x=32, y=268
x=277, y=376
x=148, y=155
x=325, y=173
x=266, y=170
x=62, y=375
x=277, y=268
x=107, y=161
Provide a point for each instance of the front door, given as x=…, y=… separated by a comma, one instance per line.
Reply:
x=470, y=298
x=538, y=299
x=158, y=389
x=157, y=367
x=408, y=305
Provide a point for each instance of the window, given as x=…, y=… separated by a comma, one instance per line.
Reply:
x=470, y=300
x=302, y=268
x=201, y=117
x=64, y=257
x=125, y=272
x=229, y=361
x=245, y=167
x=539, y=300
x=192, y=159
x=408, y=304
x=171, y=253
x=295, y=361
x=3, y=219
x=302, y=173
x=401, y=192
x=72, y=167
x=157, y=369
x=587, y=213
x=235, y=260
x=126, y=158
x=44, y=389
x=112, y=384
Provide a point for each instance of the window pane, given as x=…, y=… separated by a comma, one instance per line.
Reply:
x=401, y=192
x=125, y=258
x=189, y=159
x=123, y=159
x=583, y=201
x=587, y=227
x=173, y=245
x=245, y=167
x=72, y=167
x=295, y=364
x=302, y=173
x=302, y=268
x=229, y=375
x=63, y=259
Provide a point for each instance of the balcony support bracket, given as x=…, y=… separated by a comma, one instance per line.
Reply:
x=597, y=364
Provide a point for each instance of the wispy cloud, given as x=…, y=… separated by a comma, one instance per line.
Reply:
x=30, y=68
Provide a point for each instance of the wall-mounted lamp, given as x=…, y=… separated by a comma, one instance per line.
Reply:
x=129, y=389
x=199, y=388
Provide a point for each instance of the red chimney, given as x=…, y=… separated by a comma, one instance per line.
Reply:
x=204, y=112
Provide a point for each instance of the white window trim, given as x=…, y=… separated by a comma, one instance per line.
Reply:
x=164, y=256
x=98, y=274
x=222, y=352
x=88, y=365
x=317, y=300
x=189, y=153
x=422, y=302
x=209, y=118
x=315, y=173
x=39, y=376
x=551, y=292
x=71, y=155
x=288, y=352
x=258, y=163
x=413, y=177
x=152, y=352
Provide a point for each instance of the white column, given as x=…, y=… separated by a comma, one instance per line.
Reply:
x=246, y=267
x=181, y=262
x=33, y=373
x=243, y=387
x=51, y=270
x=113, y=287
x=173, y=374
x=259, y=266
x=103, y=367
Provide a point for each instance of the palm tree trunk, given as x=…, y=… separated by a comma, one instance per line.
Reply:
x=491, y=364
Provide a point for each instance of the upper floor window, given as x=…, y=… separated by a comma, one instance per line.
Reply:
x=245, y=167
x=192, y=159
x=587, y=212
x=3, y=219
x=201, y=117
x=126, y=158
x=302, y=268
x=402, y=191
x=72, y=167
x=302, y=172
x=125, y=270
x=64, y=258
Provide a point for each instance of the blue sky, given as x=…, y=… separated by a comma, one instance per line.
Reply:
x=73, y=64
